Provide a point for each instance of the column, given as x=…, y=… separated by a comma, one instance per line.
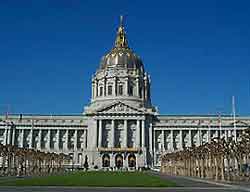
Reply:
x=113, y=133
x=13, y=136
x=199, y=137
x=86, y=139
x=143, y=133
x=181, y=139
x=100, y=133
x=146, y=87
x=31, y=139
x=5, y=136
x=217, y=133
x=39, y=139
x=49, y=138
x=75, y=157
x=104, y=87
x=172, y=140
x=137, y=87
x=154, y=147
x=9, y=136
x=93, y=90
x=96, y=88
x=58, y=140
x=75, y=140
x=190, y=137
x=138, y=133
x=125, y=143
x=226, y=134
x=67, y=140
x=162, y=140
x=126, y=87
x=209, y=136
x=150, y=138
x=22, y=137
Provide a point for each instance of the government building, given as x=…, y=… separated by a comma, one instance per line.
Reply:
x=120, y=128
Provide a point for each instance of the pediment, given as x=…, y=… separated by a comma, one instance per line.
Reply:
x=119, y=107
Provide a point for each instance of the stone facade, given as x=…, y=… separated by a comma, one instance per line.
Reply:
x=120, y=128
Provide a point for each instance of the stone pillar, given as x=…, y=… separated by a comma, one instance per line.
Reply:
x=226, y=134
x=171, y=140
x=138, y=133
x=198, y=137
x=126, y=87
x=209, y=136
x=31, y=139
x=5, y=136
x=39, y=139
x=86, y=139
x=113, y=133
x=9, y=136
x=66, y=140
x=22, y=138
x=137, y=87
x=181, y=139
x=13, y=136
x=93, y=90
x=154, y=147
x=125, y=143
x=48, y=141
x=104, y=87
x=58, y=140
x=143, y=133
x=146, y=87
x=163, y=140
x=150, y=138
x=100, y=133
x=190, y=137
x=75, y=140
x=96, y=88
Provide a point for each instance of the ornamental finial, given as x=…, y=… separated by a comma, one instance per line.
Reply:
x=121, y=40
x=121, y=20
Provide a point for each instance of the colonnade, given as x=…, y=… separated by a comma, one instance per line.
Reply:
x=139, y=140
x=170, y=140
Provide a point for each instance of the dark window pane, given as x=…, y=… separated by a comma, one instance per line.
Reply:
x=120, y=90
x=110, y=90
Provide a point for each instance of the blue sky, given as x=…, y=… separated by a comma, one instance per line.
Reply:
x=197, y=52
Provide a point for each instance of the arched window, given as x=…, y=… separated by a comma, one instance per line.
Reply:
x=110, y=90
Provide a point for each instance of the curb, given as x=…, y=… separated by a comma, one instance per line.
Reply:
x=218, y=183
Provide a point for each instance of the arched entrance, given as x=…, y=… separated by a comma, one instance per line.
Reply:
x=105, y=160
x=131, y=160
x=119, y=161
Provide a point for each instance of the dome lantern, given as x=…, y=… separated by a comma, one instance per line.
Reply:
x=121, y=56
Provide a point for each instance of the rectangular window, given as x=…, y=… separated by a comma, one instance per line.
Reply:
x=110, y=90
x=101, y=91
x=130, y=90
x=120, y=90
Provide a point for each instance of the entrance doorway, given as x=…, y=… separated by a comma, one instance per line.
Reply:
x=131, y=160
x=105, y=160
x=119, y=161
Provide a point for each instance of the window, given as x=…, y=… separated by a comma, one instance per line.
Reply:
x=110, y=90
x=101, y=91
x=120, y=90
x=130, y=90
